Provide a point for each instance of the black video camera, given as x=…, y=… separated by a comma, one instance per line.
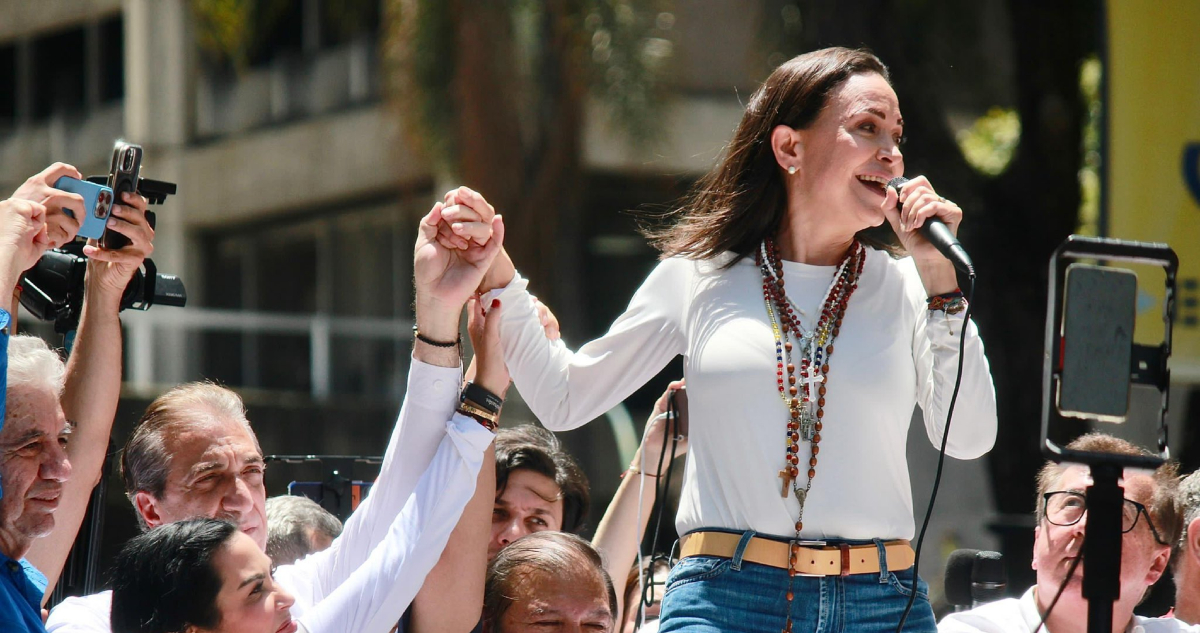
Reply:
x=53, y=289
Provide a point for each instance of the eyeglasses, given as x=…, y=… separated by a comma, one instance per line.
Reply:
x=1066, y=507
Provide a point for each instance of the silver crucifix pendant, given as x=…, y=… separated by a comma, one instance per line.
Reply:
x=807, y=423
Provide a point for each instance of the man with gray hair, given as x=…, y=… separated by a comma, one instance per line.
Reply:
x=33, y=467
x=296, y=527
x=1185, y=555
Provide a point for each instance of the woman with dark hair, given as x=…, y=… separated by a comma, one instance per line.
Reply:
x=203, y=575
x=197, y=575
x=801, y=394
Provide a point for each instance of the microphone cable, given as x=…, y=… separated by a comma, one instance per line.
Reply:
x=937, y=478
x=1058, y=594
x=662, y=485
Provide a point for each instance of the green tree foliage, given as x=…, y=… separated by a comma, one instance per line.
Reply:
x=234, y=34
x=227, y=31
x=988, y=145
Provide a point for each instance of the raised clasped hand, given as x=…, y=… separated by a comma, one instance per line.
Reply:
x=918, y=202
x=449, y=267
x=466, y=219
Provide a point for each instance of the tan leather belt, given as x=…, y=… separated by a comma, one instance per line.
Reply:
x=813, y=558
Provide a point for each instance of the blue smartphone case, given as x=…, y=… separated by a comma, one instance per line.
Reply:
x=97, y=201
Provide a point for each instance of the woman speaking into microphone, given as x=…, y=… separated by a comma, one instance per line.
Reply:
x=806, y=346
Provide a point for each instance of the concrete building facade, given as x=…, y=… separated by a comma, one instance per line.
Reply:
x=298, y=198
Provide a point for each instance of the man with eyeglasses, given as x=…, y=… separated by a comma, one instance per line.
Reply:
x=1149, y=522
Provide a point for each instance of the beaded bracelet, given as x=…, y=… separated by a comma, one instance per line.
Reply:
x=428, y=341
x=950, y=302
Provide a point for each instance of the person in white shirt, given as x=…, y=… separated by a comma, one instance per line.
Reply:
x=194, y=455
x=1150, y=523
x=801, y=395
x=1185, y=558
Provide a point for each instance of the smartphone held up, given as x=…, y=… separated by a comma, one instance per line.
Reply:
x=124, y=176
x=97, y=204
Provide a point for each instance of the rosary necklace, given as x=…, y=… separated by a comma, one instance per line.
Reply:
x=803, y=388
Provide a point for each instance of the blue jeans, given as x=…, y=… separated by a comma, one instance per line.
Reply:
x=706, y=594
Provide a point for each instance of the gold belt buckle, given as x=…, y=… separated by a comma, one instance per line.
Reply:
x=812, y=544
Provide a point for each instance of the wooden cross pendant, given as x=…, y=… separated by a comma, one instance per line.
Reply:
x=786, y=476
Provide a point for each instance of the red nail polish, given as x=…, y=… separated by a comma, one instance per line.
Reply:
x=495, y=303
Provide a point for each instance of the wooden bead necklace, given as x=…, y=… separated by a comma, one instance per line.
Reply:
x=803, y=388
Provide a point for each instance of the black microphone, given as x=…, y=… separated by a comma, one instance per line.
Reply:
x=974, y=577
x=989, y=579
x=957, y=578
x=939, y=235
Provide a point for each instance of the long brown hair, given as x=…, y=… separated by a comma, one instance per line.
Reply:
x=743, y=200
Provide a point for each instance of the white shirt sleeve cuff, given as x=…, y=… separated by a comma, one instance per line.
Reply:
x=517, y=285
x=468, y=433
x=431, y=385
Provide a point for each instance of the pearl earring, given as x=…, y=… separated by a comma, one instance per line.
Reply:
x=792, y=169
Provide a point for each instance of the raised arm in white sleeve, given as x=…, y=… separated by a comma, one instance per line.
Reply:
x=376, y=594
x=428, y=403
x=566, y=389
x=935, y=352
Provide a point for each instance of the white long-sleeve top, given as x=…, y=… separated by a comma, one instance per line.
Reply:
x=892, y=353
x=1021, y=615
x=376, y=594
x=433, y=456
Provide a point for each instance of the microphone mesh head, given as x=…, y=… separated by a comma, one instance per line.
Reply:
x=989, y=568
x=958, y=576
x=897, y=182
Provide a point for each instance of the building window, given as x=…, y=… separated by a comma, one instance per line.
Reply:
x=112, y=59
x=58, y=74
x=8, y=87
x=330, y=299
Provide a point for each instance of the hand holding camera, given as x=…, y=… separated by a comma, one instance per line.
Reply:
x=110, y=270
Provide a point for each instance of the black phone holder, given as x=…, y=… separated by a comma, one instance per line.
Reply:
x=155, y=191
x=1105, y=497
x=336, y=492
